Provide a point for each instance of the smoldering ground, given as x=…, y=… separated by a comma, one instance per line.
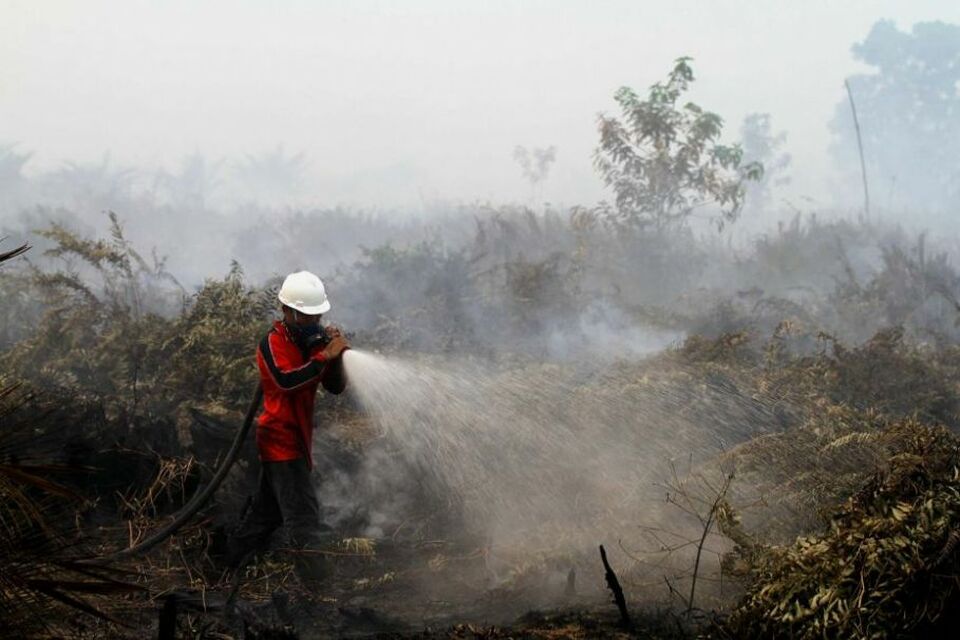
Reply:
x=526, y=405
x=538, y=462
x=690, y=383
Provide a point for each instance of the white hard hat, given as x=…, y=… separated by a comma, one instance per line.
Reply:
x=304, y=292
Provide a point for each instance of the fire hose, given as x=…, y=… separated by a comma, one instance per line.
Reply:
x=201, y=497
x=319, y=339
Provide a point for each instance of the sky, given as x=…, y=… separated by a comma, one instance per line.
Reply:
x=400, y=104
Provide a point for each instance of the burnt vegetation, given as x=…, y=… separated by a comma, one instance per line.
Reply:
x=833, y=515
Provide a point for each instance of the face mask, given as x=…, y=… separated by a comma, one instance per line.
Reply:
x=308, y=336
x=308, y=331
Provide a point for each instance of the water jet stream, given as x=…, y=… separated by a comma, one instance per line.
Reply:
x=544, y=452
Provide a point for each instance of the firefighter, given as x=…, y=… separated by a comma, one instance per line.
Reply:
x=293, y=363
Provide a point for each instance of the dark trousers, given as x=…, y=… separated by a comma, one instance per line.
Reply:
x=285, y=499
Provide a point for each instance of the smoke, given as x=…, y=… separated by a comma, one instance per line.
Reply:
x=550, y=456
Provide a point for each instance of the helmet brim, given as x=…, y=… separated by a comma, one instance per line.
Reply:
x=311, y=311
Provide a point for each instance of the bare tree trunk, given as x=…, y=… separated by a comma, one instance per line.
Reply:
x=863, y=165
x=614, y=584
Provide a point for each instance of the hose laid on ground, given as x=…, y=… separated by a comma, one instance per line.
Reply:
x=200, y=498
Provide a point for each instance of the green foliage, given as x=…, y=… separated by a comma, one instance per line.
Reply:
x=103, y=331
x=663, y=160
x=907, y=107
x=208, y=350
x=88, y=334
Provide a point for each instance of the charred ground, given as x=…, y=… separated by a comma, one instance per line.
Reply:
x=825, y=358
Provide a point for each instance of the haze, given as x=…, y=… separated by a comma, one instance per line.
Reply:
x=395, y=104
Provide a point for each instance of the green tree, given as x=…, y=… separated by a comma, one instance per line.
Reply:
x=760, y=144
x=535, y=164
x=909, y=113
x=663, y=160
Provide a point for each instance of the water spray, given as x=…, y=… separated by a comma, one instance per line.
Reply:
x=531, y=454
x=544, y=452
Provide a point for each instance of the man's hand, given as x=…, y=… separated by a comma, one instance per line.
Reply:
x=335, y=348
x=333, y=331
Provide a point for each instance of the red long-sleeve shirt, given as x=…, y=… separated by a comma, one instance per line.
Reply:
x=290, y=378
